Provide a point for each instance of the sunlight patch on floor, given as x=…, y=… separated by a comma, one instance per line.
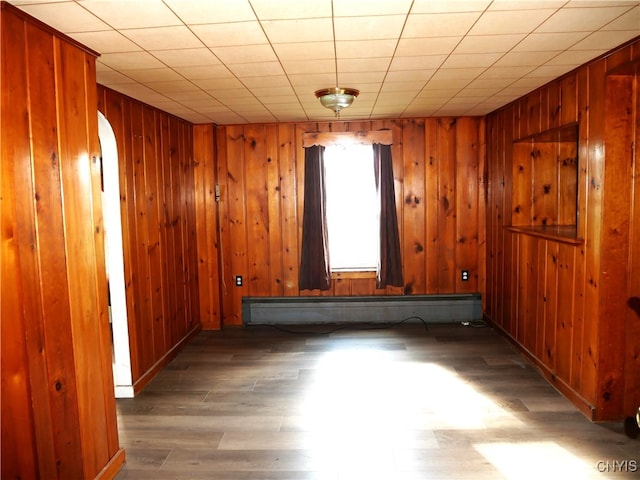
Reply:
x=534, y=460
x=363, y=405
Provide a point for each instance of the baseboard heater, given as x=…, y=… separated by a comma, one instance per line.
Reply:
x=362, y=309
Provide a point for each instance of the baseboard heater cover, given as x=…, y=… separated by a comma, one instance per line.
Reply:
x=361, y=309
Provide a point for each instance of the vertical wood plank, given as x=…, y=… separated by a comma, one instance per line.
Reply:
x=564, y=326
x=257, y=210
x=545, y=184
x=274, y=198
x=237, y=217
x=569, y=100
x=289, y=199
x=414, y=210
x=206, y=225
x=448, y=207
x=432, y=204
x=551, y=304
x=466, y=201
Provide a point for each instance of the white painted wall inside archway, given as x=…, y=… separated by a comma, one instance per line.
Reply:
x=115, y=260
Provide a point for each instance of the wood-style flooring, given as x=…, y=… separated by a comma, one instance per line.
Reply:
x=450, y=402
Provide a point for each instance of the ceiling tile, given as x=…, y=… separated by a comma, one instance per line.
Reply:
x=442, y=6
x=605, y=39
x=256, y=69
x=353, y=8
x=211, y=11
x=301, y=30
x=279, y=10
x=351, y=78
x=547, y=71
x=539, y=42
x=204, y=72
x=488, y=43
x=499, y=83
x=304, y=51
x=412, y=86
x=273, y=92
x=66, y=17
x=266, y=82
x=369, y=28
x=188, y=57
x=581, y=19
x=525, y=4
x=421, y=75
x=574, y=57
x=411, y=47
x=629, y=21
x=228, y=34
x=130, y=61
x=458, y=73
x=245, y=54
x=439, y=25
x=153, y=75
x=106, y=41
x=506, y=72
x=427, y=62
x=376, y=64
x=213, y=84
x=163, y=38
x=138, y=14
x=471, y=60
x=298, y=67
x=441, y=83
x=140, y=92
x=365, y=48
x=520, y=59
x=504, y=22
x=174, y=86
x=314, y=82
x=111, y=77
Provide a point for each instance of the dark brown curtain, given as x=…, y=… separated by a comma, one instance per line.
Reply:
x=314, y=262
x=390, y=263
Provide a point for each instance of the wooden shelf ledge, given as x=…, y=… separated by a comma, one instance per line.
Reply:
x=557, y=233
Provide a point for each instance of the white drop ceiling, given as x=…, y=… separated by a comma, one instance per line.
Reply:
x=257, y=61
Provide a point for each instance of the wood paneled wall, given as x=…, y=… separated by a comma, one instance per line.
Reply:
x=158, y=228
x=569, y=302
x=255, y=229
x=58, y=407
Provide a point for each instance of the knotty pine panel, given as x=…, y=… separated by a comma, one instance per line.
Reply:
x=57, y=380
x=260, y=170
x=158, y=208
x=580, y=343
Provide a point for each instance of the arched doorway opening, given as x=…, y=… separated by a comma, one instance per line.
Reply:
x=115, y=260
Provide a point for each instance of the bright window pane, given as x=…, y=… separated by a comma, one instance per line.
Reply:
x=352, y=213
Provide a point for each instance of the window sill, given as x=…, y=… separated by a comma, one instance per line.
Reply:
x=351, y=274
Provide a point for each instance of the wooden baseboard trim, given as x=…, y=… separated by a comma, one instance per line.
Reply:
x=112, y=468
x=170, y=355
x=583, y=406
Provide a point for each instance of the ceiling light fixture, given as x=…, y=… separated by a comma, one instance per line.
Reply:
x=336, y=98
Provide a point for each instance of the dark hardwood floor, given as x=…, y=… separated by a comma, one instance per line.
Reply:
x=450, y=402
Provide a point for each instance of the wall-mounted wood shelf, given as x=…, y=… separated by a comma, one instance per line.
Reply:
x=564, y=133
x=557, y=233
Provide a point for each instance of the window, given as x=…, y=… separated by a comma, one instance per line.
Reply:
x=352, y=208
x=353, y=190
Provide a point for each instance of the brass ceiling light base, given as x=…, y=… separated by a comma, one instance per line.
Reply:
x=336, y=98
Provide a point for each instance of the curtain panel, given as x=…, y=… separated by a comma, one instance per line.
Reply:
x=390, y=262
x=314, y=261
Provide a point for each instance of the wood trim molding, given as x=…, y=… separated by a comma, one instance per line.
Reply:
x=385, y=137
